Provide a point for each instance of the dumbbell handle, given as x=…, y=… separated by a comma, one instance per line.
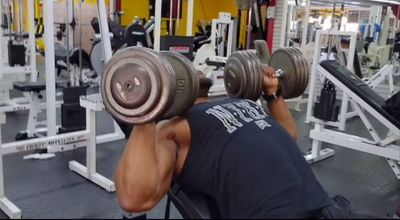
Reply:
x=279, y=73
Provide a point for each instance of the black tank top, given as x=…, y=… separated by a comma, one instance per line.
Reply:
x=248, y=163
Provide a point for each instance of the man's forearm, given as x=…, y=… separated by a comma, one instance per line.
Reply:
x=138, y=168
x=278, y=110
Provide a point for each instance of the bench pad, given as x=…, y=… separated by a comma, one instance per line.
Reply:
x=192, y=204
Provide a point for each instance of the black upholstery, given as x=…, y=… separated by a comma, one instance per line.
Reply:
x=23, y=35
x=31, y=86
x=193, y=205
x=359, y=87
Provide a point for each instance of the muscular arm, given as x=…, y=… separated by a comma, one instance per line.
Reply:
x=145, y=171
x=278, y=110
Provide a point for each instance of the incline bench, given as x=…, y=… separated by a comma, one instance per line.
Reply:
x=191, y=204
x=360, y=88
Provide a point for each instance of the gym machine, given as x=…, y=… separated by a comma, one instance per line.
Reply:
x=171, y=42
x=387, y=37
x=213, y=64
x=137, y=34
x=363, y=99
x=18, y=58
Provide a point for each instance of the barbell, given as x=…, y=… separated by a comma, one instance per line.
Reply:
x=140, y=85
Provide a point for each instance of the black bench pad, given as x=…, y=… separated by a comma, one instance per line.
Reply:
x=193, y=205
x=359, y=87
x=23, y=35
x=31, y=86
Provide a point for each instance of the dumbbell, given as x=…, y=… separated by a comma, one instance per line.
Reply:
x=140, y=85
x=243, y=73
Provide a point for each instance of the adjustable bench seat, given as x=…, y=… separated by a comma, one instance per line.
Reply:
x=191, y=204
x=359, y=87
x=31, y=86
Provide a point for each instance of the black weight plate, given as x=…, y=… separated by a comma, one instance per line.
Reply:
x=235, y=78
x=283, y=60
x=187, y=84
x=125, y=85
x=135, y=33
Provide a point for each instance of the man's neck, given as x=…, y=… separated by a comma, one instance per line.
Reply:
x=202, y=100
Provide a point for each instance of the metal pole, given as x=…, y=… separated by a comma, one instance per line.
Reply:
x=157, y=25
x=189, y=23
x=80, y=41
x=67, y=39
x=50, y=73
x=31, y=40
x=104, y=32
x=178, y=17
x=171, y=5
x=20, y=18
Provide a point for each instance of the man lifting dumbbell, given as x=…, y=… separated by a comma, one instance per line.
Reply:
x=246, y=160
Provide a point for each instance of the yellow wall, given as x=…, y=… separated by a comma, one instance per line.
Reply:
x=203, y=10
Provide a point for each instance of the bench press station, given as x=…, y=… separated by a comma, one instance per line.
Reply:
x=32, y=92
x=362, y=98
x=86, y=138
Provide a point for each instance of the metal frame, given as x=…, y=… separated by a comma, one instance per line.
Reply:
x=381, y=147
x=224, y=21
x=380, y=76
x=157, y=23
x=344, y=115
x=107, y=54
x=86, y=137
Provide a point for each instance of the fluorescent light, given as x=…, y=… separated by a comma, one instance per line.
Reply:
x=388, y=1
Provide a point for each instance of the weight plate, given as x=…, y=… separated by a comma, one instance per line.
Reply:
x=250, y=87
x=306, y=71
x=282, y=59
x=135, y=35
x=247, y=91
x=136, y=85
x=258, y=75
x=97, y=58
x=302, y=76
x=187, y=84
x=235, y=78
x=299, y=72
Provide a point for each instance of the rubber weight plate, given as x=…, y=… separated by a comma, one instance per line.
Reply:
x=134, y=34
x=187, y=84
x=97, y=58
x=282, y=59
x=235, y=76
x=137, y=85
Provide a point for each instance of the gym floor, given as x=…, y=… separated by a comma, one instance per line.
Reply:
x=48, y=189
